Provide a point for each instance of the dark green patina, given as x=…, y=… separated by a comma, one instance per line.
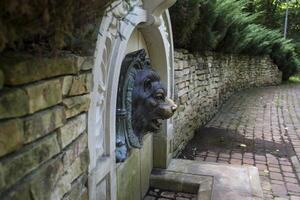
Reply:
x=141, y=105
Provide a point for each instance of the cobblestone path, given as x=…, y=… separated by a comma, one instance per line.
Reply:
x=259, y=127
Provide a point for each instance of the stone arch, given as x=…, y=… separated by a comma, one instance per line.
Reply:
x=152, y=20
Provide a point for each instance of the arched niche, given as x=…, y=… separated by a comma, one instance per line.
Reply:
x=151, y=20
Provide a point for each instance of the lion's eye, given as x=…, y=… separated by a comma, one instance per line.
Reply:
x=159, y=96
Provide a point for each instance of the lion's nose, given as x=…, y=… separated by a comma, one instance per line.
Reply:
x=174, y=108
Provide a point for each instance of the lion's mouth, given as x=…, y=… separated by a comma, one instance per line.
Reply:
x=155, y=124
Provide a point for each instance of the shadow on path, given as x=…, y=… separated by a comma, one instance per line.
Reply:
x=223, y=140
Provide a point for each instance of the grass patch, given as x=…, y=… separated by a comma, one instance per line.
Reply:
x=294, y=79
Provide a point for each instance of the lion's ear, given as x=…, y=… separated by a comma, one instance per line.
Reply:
x=147, y=84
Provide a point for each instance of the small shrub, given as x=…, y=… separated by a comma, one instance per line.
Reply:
x=294, y=79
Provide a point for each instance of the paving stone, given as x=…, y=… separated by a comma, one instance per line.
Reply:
x=295, y=197
x=290, y=180
x=268, y=121
x=261, y=167
x=182, y=198
x=276, y=176
x=236, y=161
x=286, y=168
x=288, y=174
x=293, y=187
x=274, y=169
x=279, y=190
x=149, y=198
x=168, y=194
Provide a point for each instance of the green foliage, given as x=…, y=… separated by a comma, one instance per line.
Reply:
x=184, y=20
x=294, y=79
x=226, y=26
x=48, y=24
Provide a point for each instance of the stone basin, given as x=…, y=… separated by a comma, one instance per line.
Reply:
x=213, y=181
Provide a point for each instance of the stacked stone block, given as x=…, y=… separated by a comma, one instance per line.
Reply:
x=43, y=126
x=203, y=82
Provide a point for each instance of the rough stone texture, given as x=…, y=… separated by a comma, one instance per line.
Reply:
x=75, y=149
x=13, y=103
x=17, y=167
x=72, y=172
x=28, y=69
x=1, y=79
x=41, y=184
x=43, y=95
x=87, y=63
x=204, y=82
x=78, y=189
x=76, y=105
x=71, y=130
x=76, y=85
x=43, y=123
x=43, y=143
x=11, y=136
x=19, y=102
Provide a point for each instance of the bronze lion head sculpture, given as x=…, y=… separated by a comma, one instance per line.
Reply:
x=150, y=104
x=142, y=103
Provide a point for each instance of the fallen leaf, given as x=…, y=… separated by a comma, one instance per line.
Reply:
x=243, y=145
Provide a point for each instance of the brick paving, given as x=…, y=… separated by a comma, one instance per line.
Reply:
x=259, y=127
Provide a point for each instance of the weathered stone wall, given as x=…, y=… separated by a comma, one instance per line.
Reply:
x=43, y=138
x=204, y=82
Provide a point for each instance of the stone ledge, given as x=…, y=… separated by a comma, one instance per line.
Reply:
x=26, y=69
x=17, y=102
x=230, y=182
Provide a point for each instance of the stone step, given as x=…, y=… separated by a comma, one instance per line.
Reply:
x=209, y=180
